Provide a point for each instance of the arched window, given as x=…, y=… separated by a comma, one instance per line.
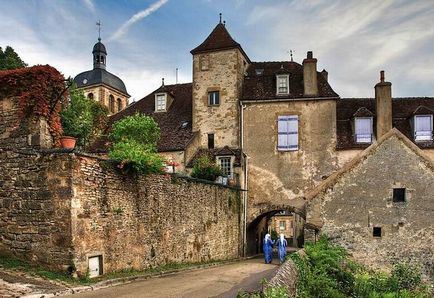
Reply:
x=102, y=59
x=119, y=102
x=112, y=103
x=90, y=96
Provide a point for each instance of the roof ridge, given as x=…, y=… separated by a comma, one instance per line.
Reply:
x=332, y=179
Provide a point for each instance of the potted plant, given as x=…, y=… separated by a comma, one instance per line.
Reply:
x=76, y=118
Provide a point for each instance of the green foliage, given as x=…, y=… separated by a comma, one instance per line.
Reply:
x=274, y=235
x=83, y=118
x=135, y=145
x=206, y=169
x=139, y=128
x=76, y=117
x=327, y=271
x=9, y=59
x=270, y=292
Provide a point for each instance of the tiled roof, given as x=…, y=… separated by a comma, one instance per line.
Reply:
x=402, y=111
x=260, y=81
x=219, y=39
x=175, y=123
x=212, y=153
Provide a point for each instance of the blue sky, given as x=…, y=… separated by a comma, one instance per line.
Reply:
x=147, y=39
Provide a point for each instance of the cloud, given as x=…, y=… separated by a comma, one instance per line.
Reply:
x=137, y=17
x=89, y=4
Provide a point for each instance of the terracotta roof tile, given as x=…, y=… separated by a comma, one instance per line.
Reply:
x=260, y=81
x=402, y=111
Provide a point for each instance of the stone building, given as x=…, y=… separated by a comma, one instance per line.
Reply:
x=277, y=129
x=100, y=85
x=291, y=225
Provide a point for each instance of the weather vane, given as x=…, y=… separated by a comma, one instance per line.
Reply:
x=220, y=14
x=99, y=29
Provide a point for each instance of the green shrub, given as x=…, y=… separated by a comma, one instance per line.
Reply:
x=206, y=169
x=135, y=145
x=328, y=271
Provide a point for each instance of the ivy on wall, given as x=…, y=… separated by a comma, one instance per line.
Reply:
x=40, y=91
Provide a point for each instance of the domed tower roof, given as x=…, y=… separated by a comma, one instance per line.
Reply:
x=99, y=74
x=99, y=47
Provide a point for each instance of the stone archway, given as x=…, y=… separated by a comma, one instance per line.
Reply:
x=257, y=223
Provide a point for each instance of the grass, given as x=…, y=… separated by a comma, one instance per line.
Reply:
x=19, y=265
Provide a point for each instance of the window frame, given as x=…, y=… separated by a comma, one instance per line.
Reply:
x=212, y=102
x=422, y=137
x=282, y=225
x=157, y=96
x=289, y=147
x=371, y=119
x=396, y=195
x=231, y=165
x=278, y=77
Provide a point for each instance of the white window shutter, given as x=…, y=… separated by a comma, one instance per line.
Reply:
x=287, y=133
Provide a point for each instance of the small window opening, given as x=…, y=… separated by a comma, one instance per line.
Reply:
x=376, y=232
x=184, y=124
x=259, y=71
x=90, y=96
x=210, y=141
x=213, y=98
x=119, y=104
x=398, y=195
x=102, y=59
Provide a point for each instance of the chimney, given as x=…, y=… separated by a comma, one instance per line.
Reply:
x=383, y=97
x=310, y=79
x=325, y=74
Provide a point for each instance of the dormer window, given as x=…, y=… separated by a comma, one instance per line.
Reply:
x=363, y=130
x=160, y=102
x=423, y=127
x=282, y=84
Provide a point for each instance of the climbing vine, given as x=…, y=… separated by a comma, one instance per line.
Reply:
x=40, y=91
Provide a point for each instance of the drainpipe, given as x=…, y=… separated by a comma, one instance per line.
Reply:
x=242, y=107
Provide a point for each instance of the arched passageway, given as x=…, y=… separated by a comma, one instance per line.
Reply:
x=288, y=221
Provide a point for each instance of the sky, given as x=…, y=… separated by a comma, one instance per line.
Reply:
x=147, y=40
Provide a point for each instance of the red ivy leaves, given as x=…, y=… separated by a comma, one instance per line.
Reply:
x=40, y=91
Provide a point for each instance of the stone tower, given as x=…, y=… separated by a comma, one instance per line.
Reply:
x=100, y=85
x=219, y=64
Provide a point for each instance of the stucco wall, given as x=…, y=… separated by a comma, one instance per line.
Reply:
x=139, y=222
x=362, y=199
x=276, y=177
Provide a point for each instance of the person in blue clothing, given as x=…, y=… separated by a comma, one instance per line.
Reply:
x=281, y=248
x=268, y=249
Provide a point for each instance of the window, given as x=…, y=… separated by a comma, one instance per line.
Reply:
x=363, y=129
x=398, y=195
x=423, y=127
x=90, y=96
x=287, y=127
x=210, y=141
x=119, y=101
x=376, y=232
x=282, y=84
x=282, y=225
x=160, y=102
x=213, y=98
x=112, y=103
x=226, y=166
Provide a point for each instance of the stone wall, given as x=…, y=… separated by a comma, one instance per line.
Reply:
x=221, y=71
x=141, y=222
x=360, y=198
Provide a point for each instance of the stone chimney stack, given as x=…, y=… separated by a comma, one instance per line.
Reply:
x=383, y=97
x=310, y=75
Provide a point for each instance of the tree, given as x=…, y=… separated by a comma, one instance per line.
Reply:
x=9, y=59
x=135, y=144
